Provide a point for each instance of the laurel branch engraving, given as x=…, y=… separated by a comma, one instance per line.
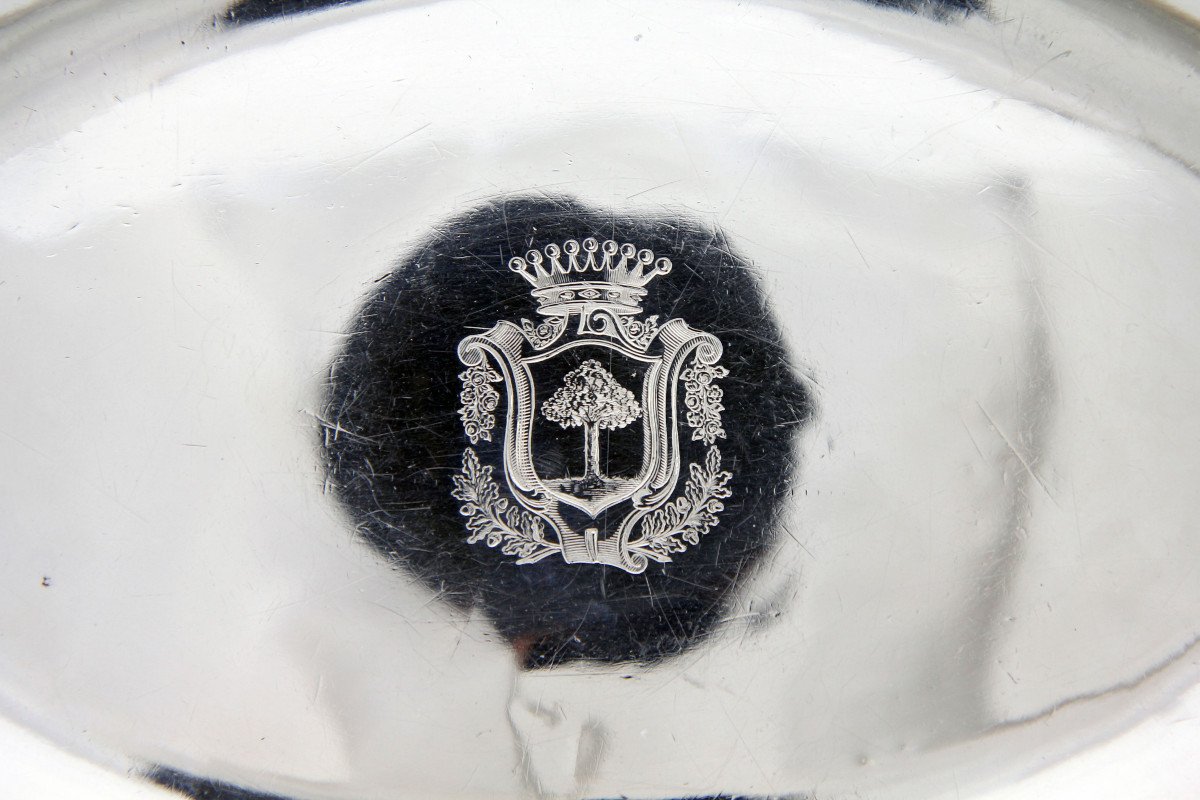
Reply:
x=490, y=517
x=685, y=519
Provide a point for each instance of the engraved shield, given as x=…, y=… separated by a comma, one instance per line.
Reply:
x=593, y=407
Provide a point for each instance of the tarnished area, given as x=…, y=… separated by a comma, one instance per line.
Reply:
x=497, y=509
x=656, y=399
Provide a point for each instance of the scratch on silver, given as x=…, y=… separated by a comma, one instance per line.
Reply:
x=598, y=286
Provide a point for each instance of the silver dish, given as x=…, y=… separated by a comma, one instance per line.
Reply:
x=939, y=258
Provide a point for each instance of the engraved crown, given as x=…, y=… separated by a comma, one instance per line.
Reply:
x=589, y=275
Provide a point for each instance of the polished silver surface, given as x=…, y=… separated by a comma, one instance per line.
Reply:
x=959, y=239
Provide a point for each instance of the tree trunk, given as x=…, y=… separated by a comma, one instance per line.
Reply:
x=591, y=451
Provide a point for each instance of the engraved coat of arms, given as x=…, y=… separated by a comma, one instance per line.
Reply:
x=594, y=400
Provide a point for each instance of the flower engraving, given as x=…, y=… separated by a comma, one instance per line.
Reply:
x=543, y=334
x=639, y=332
x=478, y=400
x=703, y=401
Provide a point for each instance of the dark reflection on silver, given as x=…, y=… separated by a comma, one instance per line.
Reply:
x=393, y=428
x=200, y=788
x=249, y=11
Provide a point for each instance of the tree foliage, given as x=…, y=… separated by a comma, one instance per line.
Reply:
x=591, y=396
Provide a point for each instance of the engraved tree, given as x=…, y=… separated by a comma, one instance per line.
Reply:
x=591, y=398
